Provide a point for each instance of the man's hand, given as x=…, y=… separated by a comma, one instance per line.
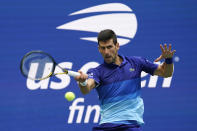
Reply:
x=166, y=68
x=89, y=84
x=166, y=52
x=82, y=77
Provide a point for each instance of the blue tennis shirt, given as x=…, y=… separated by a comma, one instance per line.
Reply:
x=119, y=89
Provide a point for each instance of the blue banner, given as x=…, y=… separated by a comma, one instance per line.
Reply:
x=68, y=29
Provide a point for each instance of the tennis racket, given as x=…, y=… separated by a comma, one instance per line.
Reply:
x=38, y=65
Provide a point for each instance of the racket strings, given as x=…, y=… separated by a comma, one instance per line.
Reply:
x=37, y=65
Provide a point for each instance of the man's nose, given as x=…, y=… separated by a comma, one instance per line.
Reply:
x=106, y=51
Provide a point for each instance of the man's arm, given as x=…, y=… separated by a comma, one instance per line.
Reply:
x=166, y=68
x=85, y=85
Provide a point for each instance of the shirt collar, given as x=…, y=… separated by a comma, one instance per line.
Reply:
x=114, y=65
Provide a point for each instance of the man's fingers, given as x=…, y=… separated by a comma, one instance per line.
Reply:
x=162, y=50
x=165, y=46
x=77, y=78
x=173, y=52
x=170, y=47
x=166, y=52
x=158, y=59
x=82, y=77
x=80, y=71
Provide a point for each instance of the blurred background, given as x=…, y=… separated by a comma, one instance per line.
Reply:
x=67, y=29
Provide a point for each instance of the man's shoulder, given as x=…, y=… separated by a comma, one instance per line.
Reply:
x=133, y=58
x=99, y=66
x=97, y=69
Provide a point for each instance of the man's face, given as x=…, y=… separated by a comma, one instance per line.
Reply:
x=108, y=50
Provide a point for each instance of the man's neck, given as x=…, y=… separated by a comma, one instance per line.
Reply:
x=118, y=60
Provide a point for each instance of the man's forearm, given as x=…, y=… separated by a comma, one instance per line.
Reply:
x=86, y=86
x=84, y=89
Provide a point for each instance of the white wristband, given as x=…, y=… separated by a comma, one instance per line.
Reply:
x=83, y=83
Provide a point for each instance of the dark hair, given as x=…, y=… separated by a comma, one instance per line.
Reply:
x=106, y=35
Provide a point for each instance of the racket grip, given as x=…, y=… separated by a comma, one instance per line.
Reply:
x=73, y=73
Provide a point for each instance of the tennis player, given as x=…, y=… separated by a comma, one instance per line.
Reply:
x=118, y=83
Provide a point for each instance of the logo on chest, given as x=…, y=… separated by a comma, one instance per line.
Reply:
x=131, y=69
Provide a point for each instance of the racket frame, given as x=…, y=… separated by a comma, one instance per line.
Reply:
x=52, y=71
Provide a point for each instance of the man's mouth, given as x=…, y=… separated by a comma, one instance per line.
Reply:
x=107, y=57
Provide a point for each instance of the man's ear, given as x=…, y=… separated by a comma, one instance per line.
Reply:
x=98, y=48
x=117, y=46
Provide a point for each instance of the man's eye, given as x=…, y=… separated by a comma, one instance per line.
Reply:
x=109, y=47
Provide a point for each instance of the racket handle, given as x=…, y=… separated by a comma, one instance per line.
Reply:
x=73, y=73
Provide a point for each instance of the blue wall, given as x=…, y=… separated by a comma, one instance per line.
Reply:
x=32, y=25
